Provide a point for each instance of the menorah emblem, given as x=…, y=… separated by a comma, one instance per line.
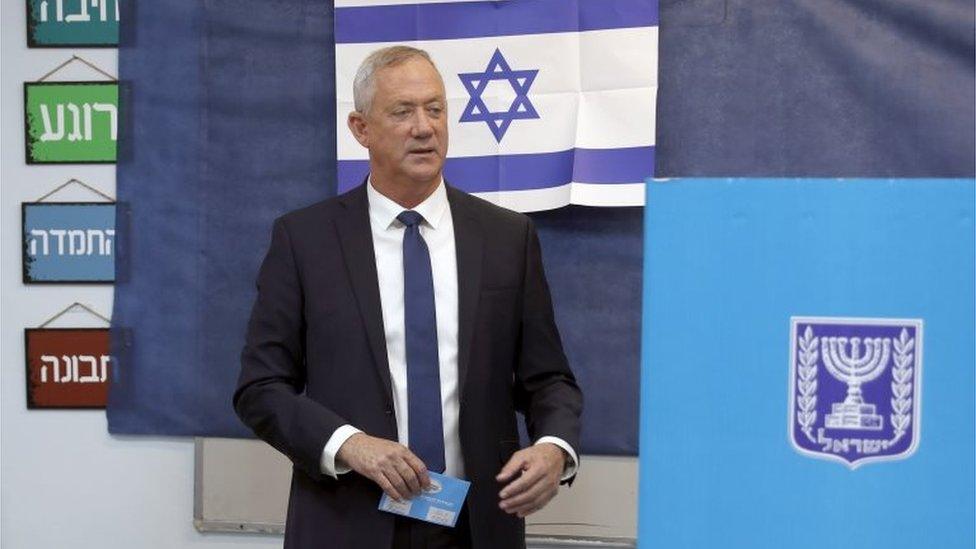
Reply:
x=855, y=369
x=877, y=364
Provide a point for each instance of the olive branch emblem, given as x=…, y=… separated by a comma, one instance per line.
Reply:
x=901, y=385
x=806, y=403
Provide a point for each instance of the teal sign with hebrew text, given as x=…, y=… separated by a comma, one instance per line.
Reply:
x=79, y=23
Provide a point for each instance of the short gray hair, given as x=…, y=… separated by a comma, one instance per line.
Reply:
x=364, y=85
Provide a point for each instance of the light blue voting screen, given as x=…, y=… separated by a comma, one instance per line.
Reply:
x=726, y=391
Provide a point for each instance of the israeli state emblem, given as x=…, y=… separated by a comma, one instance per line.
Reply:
x=855, y=388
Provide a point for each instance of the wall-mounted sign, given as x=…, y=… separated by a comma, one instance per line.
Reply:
x=68, y=242
x=78, y=23
x=71, y=122
x=67, y=367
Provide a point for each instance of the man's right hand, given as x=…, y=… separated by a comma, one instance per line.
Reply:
x=389, y=464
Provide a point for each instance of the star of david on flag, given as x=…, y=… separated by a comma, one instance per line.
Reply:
x=550, y=102
x=477, y=82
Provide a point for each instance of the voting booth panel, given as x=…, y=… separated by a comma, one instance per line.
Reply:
x=787, y=398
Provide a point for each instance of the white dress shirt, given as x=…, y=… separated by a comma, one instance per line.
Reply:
x=437, y=230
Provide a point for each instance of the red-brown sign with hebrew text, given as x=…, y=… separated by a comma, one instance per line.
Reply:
x=67, y=367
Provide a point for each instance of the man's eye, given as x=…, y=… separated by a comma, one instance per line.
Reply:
x=435, y=110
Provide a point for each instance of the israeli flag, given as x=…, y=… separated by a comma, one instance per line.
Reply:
x=551, y=102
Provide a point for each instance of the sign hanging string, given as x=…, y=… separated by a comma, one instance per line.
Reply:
x=74, y=306
x=72, y=60
x=76, y=182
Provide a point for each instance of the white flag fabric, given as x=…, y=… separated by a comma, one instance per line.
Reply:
x=550, y=102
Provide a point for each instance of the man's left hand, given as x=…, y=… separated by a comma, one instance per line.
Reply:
x=541, y=466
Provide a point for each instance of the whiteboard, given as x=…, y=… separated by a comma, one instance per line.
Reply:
x=242, y=486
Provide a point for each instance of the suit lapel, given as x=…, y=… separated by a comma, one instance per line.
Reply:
x=356, y=239
x=469, y=243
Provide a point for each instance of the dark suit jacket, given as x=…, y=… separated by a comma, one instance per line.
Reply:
x=315, y=359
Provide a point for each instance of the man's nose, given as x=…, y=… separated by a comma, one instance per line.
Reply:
x=422, y=126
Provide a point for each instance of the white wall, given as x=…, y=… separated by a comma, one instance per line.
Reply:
x=64, y=481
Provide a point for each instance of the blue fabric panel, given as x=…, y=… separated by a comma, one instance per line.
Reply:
x=816, y=88
x=593, y=259
x=158, y=178
x=727, y=263
x=233, y=110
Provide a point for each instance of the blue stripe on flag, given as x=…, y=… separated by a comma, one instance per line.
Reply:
x=521, y=172
x=443, y=21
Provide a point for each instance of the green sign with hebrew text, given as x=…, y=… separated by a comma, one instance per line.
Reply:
x=71, y=122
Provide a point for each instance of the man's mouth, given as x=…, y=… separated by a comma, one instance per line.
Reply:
x=421, y=151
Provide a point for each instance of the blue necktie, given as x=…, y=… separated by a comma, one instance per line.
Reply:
x=423, y=368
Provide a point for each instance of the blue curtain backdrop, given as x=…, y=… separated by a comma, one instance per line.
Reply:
x=816, y=88
x=230, y=111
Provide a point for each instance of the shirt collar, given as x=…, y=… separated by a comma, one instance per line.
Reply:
x=383, y=210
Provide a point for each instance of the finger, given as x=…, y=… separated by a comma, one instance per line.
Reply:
x=397, y=485
x=527, y=498
x=387, y=488
x=418, y=468
x=529, y=478
x=515, y=464
x=524, y=512
x=533, y=504
x=409, y=477
x=539, y=489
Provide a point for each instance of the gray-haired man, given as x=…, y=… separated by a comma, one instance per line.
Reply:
x=403, y=319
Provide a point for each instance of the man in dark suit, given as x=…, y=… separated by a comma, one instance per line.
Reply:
x=396, y=331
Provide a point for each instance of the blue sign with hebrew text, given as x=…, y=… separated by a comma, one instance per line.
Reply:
x=69, y=242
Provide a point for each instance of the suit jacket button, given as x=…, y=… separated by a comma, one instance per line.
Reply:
x=388, y=412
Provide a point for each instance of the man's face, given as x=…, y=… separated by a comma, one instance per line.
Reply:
x=405, y=129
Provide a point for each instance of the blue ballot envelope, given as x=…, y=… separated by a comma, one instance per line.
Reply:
x=440, y=503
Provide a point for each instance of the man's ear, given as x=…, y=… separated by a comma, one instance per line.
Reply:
x=357, y=125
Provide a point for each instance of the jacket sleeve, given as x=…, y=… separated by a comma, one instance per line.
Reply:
x=545, y=388
x=270, y=395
